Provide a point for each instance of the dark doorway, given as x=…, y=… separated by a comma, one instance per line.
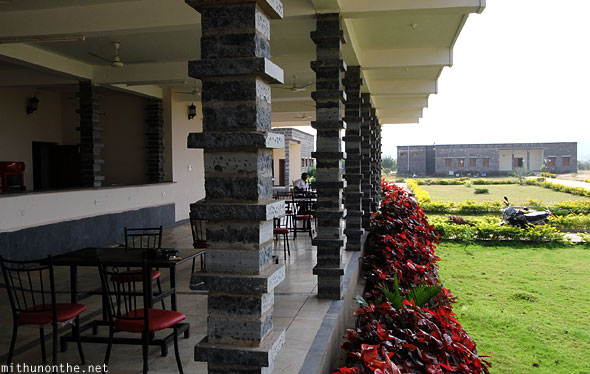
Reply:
x=518, y=162
x=55, y=166
x=282, y=172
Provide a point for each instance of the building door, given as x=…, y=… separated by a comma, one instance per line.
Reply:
x=282, y=172
x=518, y=162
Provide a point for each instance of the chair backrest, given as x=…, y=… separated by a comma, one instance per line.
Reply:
x=30, y=285
x=122, y=296
x=198, y=229
x=143, y=237
x=303, y=204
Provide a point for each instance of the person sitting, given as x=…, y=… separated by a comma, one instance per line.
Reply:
x=301, y=184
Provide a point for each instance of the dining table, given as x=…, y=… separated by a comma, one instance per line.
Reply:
x=133, y=258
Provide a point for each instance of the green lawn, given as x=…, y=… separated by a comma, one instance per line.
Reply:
x=517, y=194
x=526, y=307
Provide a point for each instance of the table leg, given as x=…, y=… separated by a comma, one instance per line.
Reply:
x=73, y=299
x=173, y=285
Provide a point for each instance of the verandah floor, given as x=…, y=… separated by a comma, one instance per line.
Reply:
x=297, y=310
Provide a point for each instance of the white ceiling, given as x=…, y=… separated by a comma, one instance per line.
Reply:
x=401, y=45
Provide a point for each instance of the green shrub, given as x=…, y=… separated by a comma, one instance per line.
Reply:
x=481, y=191
x=489, y=230
x=569, y=207
x=400, y=180
x=571, y=222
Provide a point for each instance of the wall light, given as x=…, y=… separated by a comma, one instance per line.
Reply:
x=192, y=111
x=32, y=104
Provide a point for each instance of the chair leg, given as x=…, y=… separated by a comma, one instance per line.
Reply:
x=176, y=353
x=144, y=350
x=76, y=332
x=109, y=346
x=160, y=291
x=287, y=240
x=42, y=339
x=12, y=342
x=54, y=343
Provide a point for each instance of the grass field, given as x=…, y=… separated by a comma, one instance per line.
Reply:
x=517, y=194
x=525, y=306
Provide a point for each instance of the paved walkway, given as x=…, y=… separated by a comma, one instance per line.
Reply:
x=570, y=183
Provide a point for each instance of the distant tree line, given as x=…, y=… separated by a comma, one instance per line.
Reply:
x=583, y=165
x=389, y=162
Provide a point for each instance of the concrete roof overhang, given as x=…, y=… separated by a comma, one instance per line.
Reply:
x=401, y=45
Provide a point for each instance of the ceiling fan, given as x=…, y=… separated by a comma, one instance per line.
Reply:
x=116, y=60
x=295, y=87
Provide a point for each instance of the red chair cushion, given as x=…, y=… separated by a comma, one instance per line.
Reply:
x=304, y=217
x=65, y=312
x=197, y=245
x=134, y=276
x=281, y=230
x=159, y=319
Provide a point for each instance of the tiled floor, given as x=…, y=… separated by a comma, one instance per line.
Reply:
x=297, y=310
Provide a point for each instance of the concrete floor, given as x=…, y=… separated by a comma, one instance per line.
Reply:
x=297, y=310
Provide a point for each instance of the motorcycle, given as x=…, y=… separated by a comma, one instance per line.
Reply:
x=522, y=217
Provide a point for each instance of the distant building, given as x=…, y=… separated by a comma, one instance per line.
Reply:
x=488, y=159
x=289, y=163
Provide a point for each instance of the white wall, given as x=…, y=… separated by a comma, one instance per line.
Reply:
x=35, y=209
x=294, y=161
x=506, y=160
x=190, y=184
x=18, y=130
x=536, y=157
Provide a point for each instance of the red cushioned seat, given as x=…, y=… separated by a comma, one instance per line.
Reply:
x=159, y=319
x=134, y=276
x=304, y=217
x=65, y=312
x=200, y=244
x=281, y=230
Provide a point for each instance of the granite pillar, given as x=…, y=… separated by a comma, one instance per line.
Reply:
x=375, y=165
x=155, y=141
x=236, y=72
x=366, y=161
x=90, y=133
x=353, y=176
x=329, y=97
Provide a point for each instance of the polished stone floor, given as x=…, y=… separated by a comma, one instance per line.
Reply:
x=297, y=310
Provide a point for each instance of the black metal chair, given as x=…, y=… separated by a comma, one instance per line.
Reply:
x=147, y=238
x=198, y=230
x=127, y=305
x=304, y=212
x=31, y=292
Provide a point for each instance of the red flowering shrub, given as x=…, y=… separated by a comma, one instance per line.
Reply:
x=410, y=339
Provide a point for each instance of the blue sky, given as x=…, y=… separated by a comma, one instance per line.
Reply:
x=520, y=74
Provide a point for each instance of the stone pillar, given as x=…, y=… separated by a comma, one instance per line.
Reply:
x=329, y=97
x=375, y=166
x=379, y=158
x=366, y=163
x=353, y=195
x=155, y=141
x=241, y=277
x=90, y=131
x=287, y=163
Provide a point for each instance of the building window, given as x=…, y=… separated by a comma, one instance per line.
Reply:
x=472, y=162
x=415, y=154
x=551, y=161
x=461, y=162
x=448, y=162
x=485, y=162
x=402, y=154
x=566, y=161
